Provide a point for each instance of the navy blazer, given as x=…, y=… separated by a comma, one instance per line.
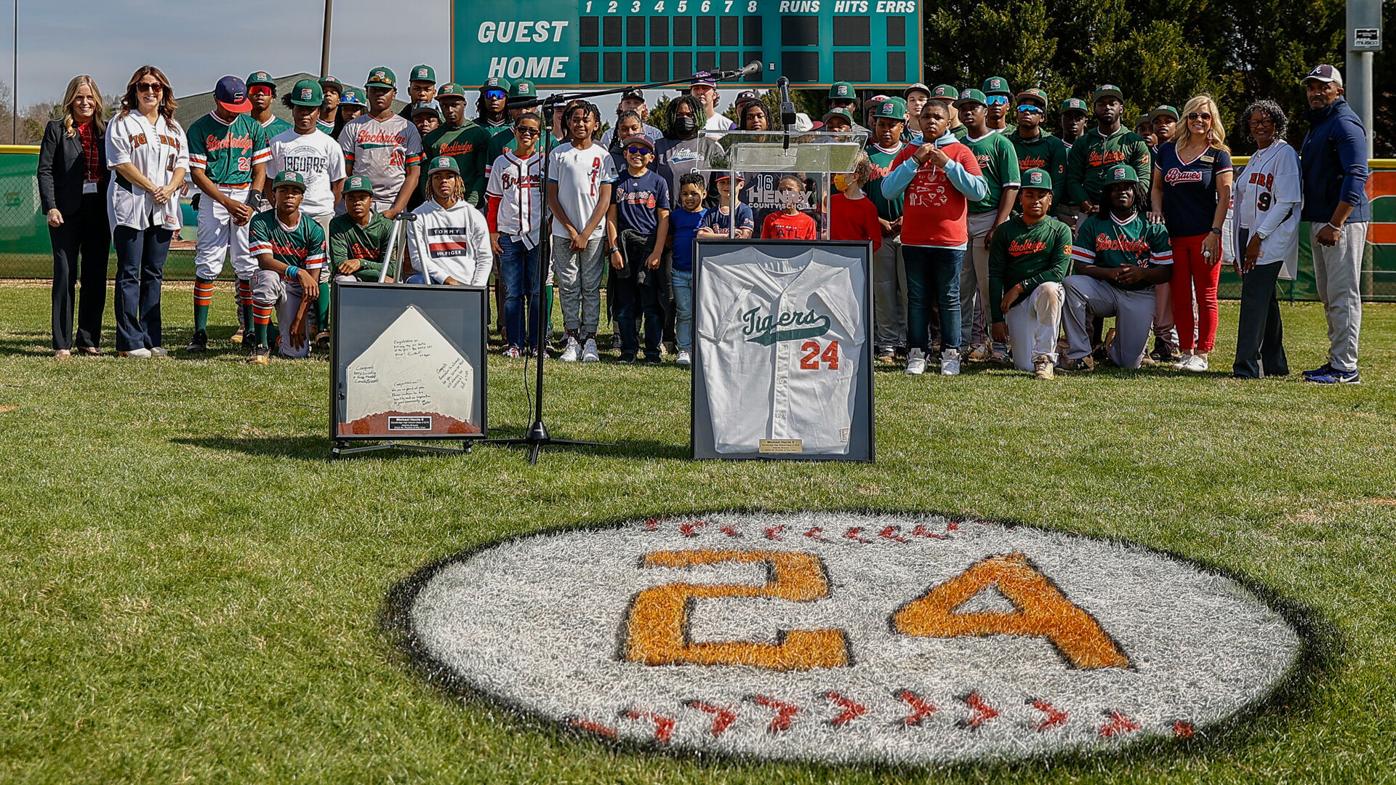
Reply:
x=62, y=169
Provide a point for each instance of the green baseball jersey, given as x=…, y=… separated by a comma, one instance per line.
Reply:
x=368, y=244
x=1110, y=242
x=1091, y=157
x=469, y=145
x=275, y=126
x=999, y=163
x=959, y=132
x=228, y=151
x=1046, y=152
x=887, y=209
x=1027, y=255
x=302, y=245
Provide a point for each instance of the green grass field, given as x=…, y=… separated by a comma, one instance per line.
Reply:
x=191, y=592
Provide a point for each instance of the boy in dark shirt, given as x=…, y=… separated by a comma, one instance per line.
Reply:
x=686, y=219
x=637, y=225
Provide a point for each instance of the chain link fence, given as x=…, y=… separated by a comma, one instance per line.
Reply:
x=25, y=251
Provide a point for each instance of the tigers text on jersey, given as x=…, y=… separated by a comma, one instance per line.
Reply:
x=452, y=242
x=781, y=339
x=1110, y=242
x=158, y=150
x=302, y=245
x=227, y=151
x=517, y=183
x=316, y=157
x=381, y=151
x=579, y=175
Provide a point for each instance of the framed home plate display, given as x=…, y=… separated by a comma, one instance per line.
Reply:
x=782, y=366
x=408, y=362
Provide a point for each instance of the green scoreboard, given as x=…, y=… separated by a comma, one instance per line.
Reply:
x=585, y=43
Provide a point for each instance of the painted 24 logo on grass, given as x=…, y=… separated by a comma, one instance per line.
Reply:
x=849, y=637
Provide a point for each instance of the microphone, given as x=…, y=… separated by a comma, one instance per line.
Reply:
x=523, y=103
x=787, y=108
x=753, y=67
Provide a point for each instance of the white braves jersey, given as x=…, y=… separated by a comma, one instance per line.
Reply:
x=452, y=243
x=781, y=342
x=517, y=182
x=1268, y=198
x=158, y=150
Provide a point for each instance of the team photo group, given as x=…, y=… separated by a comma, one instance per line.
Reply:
x=1007, y=225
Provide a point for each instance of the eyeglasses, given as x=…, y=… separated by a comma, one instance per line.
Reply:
x=1262, y=120
x=521, y=131
x=636, y=149
x=1029, y=109
x=1199, y=116
x=150, y=87
x=996, y=100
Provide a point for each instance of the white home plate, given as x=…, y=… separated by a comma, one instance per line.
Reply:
x=851, y=638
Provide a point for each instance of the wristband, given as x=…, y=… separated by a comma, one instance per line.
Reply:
x=1330, y=225
x=291, y=271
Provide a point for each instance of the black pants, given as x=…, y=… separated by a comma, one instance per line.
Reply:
x=640, y=295
x=1260, y=347
x=83, y=235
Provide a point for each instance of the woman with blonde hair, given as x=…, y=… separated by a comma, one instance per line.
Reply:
x=72, y=177
x=149, y=155
x=1192, y=188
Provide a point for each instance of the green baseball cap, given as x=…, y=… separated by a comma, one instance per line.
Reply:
x=443, y=163
x=1164, y=110
x=450, y=90
x=915, y=88
x=1107, y=91
x=330, y=81
x=496, y=83
x=1120, y=173
x=839, y=112
x=523, y=89
x=842, y=91
x=381, y=76
x=1037, y=178
x=307, y=92
x=892, y=109
x=1034, y=95
x=996, y=85
x=946, y=91
x=970, y=96
x=1073, y=105
x=288, y=179
x=352, y=96
x=260, y=77
x=422, y=73
x=358, y=184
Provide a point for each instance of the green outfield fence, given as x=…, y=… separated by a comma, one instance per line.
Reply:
x=25, y=251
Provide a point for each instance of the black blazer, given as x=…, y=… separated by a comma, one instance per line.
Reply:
x=62, y=170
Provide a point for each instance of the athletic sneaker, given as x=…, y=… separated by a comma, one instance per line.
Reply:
x=915, y=362
x=322, y=339
x=1183, y=360
x=237, y=336
x=684, y=360
x=139, y=354
x=1322, y=370
x=573, y=352
x=1042, y=368
x=1082, y=365
x=1336, y=376
x=513, y=353
x=886, y=354
x=261, y=355
x=198, y=344
x=589, y=353
x=1197, y=363
x=979, y=354
x=159, y=351
x=950, y=362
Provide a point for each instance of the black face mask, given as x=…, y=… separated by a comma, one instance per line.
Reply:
x=685, y=124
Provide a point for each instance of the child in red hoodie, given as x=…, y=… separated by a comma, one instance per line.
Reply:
x=852, y=215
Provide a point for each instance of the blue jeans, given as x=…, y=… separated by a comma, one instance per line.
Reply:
x=932, y=272
x=683, y=309
x=518, y=271
x=140, y=269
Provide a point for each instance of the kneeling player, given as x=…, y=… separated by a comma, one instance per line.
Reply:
x=1119, y=256
x=290, y=250
x=1029, y=257
x=450, y=238
x=359, y=238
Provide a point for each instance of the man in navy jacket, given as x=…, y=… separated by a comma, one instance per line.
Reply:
x=1334, y=166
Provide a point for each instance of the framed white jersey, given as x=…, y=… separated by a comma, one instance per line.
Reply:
x=783, y=364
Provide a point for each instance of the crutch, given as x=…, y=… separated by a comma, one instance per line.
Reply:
x=397, y=245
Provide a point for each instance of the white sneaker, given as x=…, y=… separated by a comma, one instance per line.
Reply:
x=950, y=362
x=1197, y=363
x=139, y=354
x=572, y=352
x=684, y=359
x=915, y=362
x=1183, y=360
x=589, y=353
x=159, y=351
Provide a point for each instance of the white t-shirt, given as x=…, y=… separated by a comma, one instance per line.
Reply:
x=318, y=158
x=579, y=175
x=517, y=182
x=1267, y=200
x=157, y=150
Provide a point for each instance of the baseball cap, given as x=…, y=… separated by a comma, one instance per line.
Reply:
x=358, y=184
x=330, y=81
x=802, y=123
x=1034, y=95
x=842, y=90
x=747, y=97
x=288, y=178
x=1037, y=178
x=524, y=89
x=427, y=107
x=261, y=77
x=839, y=112
x=702, y=78
x=640, y=139
x=1324, y=73
x=996, y=85
x=496, y=83
x=1073, y=105
x=1107, y=91
x=915, y=87
x=633, y=95
x=353, y=96
x=231, y=95
x=443, y=163
x=970, y=96
x=728, y=176
x=946, y=91
x=891, y=108
x=450, y=90
x=1164, y=110
x=381, y=76
x=1119, y=173
x=422, y=73
x=307, y=92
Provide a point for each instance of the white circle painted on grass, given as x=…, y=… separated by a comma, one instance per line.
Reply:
x=847, y=637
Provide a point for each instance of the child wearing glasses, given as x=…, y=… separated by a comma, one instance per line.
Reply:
x=637, y=226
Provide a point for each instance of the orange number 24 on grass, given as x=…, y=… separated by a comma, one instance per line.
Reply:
x=656, y=629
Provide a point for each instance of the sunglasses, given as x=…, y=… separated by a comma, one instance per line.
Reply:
x=1199, y=116
x=527, y=131
x=150, y=87
x=260, y=89
x=1029, y=109
x=495, y=95
x=996, y=100
x=636, y=149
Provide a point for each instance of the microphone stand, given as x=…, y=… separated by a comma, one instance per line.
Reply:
x=538, y=436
